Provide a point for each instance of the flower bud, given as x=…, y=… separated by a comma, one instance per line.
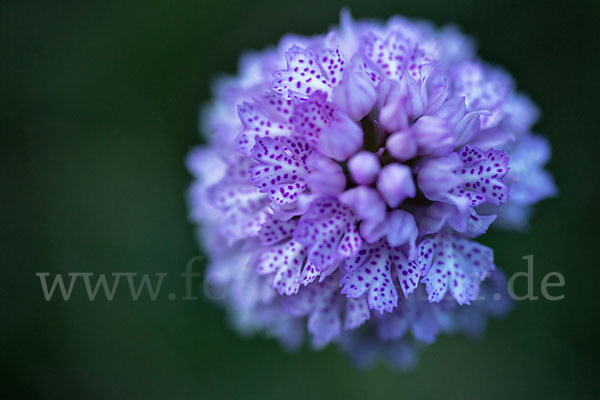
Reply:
x=395, y=183
x=364, y=167
x=402, y=145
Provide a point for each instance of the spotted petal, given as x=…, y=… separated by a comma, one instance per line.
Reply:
x=328, y=230
x=409, y=272
x=326, y=128
x=483, y=89
x=369, y=272
x=454, y=264
x=286, y=261
x=309, y=71
x=482, y=174
x=274, y=231
x=281, y=168
x=244, y=207
x=268, y=116
x=391, y=57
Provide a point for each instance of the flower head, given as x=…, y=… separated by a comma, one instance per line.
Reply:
x=346, y=178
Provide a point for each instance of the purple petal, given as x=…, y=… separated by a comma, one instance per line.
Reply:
x=327, y=177
x=398, y=227
x=356, y=95
x=366, y=203
x=433, y=136
x=437, y=176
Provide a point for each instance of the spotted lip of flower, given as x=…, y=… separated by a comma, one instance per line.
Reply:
x=356, y=181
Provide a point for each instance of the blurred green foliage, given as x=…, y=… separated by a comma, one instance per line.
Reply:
x=99, y=108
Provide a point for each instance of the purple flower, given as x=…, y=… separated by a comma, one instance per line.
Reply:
x=345, y=179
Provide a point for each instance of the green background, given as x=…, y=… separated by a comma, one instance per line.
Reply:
x=98, y=109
